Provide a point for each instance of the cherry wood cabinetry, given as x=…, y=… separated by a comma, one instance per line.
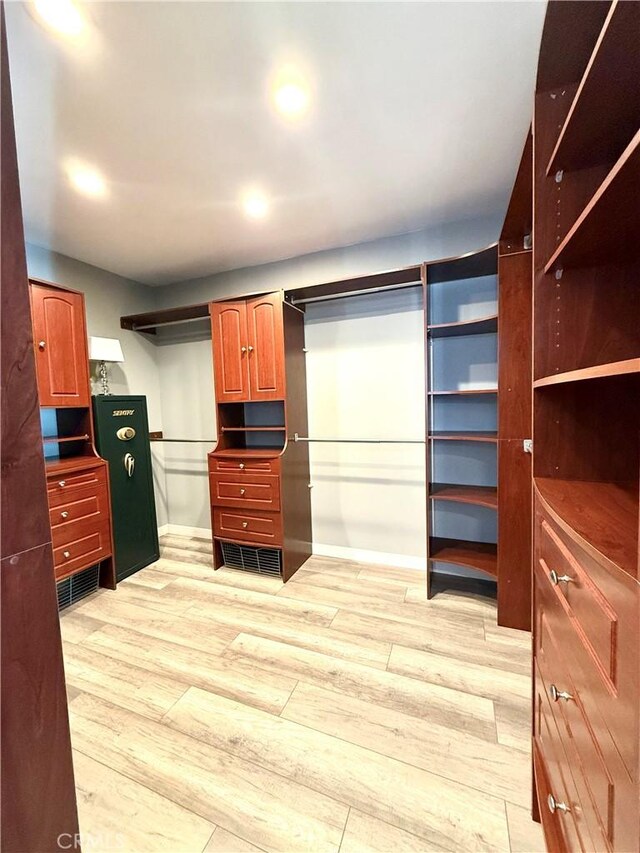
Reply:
x=586, y=424
x=248, y=347
x=77, y=478
x=60, y=337
x=258, y=475
x=38, y=791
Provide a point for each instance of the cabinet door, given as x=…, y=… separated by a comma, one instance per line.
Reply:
x=266, y=347
x=230, y=354
x=60, y=340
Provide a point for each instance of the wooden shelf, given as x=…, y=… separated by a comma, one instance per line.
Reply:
x=254, y=429
x=606, y=230
x=443, y=435
x=54, y=439
x=603, y=515
x=478, y=495
x=149, y=321
x=464, y=392
x=605, y=109
x=598, y=371
x=482, y=556
x=481, y=326
x=253, y=452
x=72, y=463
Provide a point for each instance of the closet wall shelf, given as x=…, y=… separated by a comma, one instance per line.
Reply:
x=604, y=515
x=481, y=326
x=479, y=495
x=149, y=321
x=466, y=391
x=604, y=112
x=598, y=371
x=607, y=227
x=443, y=435
x=482, y=556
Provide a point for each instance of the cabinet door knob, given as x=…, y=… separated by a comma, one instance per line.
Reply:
x=559, y=694
x=554, y=805
x=243, y=349
x=250, y=349
x=62, y=483
x=42, y=345
x=242, y=464
x=242, y=491
x=66, y=554
x=556, y=578
x=245, y=523
x=64, y=514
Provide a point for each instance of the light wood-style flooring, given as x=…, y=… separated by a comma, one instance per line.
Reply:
x=223, y=711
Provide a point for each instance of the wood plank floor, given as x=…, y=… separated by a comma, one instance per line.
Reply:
x=342, y=712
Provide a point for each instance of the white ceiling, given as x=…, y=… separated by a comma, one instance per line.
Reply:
x=419, y=113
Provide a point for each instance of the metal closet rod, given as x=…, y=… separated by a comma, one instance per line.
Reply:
x=297, y=437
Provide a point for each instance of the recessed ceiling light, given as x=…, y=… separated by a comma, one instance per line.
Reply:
x=290, y=93
x=255, y=205
x=63, y=16
x=87, y=180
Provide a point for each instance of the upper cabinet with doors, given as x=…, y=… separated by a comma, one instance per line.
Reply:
x=60, y=338
x=248, y=349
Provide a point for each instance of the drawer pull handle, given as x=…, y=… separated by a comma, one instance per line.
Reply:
x=559, y=694
x=62, y=483
x=64, y=514
x=245, y=523
x=242, y=491
x=242, y=465
x=556, y=578
x=554, y=805
x=66, y=554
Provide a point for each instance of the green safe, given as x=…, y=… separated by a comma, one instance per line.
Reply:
x=122, y=438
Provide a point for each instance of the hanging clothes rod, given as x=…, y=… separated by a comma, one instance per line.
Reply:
x=363, y=292
x=297, y=437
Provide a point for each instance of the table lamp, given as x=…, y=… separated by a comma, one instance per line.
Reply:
x=104, y=350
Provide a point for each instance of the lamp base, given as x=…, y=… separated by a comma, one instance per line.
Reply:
x=104, y=380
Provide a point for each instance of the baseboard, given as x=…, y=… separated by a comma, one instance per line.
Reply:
x=183, y=530
x=379, y=558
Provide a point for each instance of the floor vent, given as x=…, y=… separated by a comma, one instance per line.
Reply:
x=77, y=586
x=266, y=561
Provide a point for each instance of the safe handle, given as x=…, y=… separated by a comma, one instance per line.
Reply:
x=129, y=464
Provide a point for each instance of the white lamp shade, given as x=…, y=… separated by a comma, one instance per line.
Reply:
x=105, y=349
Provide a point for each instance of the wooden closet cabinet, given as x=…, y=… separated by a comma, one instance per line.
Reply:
x=60, y=340
x=248, y=349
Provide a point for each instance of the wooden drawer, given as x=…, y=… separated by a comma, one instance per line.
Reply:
x=585, y=604
x=244, y=463
x=63, y=488
x=262, y=528
x=93, y=545
x=593, y=780
x=62, y=516
x=252, y=491
x=570, y=824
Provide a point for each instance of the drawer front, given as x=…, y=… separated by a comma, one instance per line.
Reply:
x=62, y=489
x=593, y=781
x=585, y=603
x=239, y=464
x=89, y=507
x=93, y=546
x=263, y=528
x=249, y=492
x=568, y=822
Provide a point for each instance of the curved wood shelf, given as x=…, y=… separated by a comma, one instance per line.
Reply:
x=598, y=371
x=482, y=556
x=606, y=228
x=481, y=326
x=443, y=435
x=604, y=112
x=478, y=495
x=601, y=517
x=463, y=392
